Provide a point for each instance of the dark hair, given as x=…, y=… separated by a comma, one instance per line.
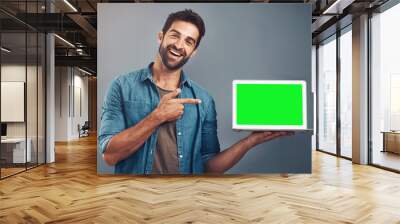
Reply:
x=189, y=16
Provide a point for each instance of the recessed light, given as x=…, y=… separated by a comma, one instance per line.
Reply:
x=64, y=40
x=5, y=50
x=84, y=71
x=70, y=5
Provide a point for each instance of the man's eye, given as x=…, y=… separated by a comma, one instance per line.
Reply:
x=174, y=35
x=190, y=43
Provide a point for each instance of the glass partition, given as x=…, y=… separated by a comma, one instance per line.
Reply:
x=41, y=97
x=22, y=63
x=31, y=97
x=13, y=105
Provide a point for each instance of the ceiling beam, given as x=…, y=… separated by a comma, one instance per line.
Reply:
x=83, y=61
x=86, y=27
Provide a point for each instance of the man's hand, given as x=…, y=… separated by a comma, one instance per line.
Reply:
x=257, y=137
x=229, y=157
x=129, y=140
x=170, y=109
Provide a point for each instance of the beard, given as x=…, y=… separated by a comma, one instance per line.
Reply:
x=167, y=61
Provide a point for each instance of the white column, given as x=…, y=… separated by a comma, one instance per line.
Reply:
x=50, y=92
x=360, y=90
x=50, y=109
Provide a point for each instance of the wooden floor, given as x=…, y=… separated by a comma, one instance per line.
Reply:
x=70, y=191
x=387, y=159
x=10, y=171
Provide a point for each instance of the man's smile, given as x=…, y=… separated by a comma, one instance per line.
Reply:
x=175, y=54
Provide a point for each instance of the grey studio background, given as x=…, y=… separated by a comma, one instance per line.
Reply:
x=242, y=41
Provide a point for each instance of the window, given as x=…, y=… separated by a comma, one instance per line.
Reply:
x=327, y=95
x=346, y=92
x=385, y=88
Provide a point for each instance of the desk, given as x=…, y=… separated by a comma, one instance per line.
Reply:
x=13, y=150
x=391, y=141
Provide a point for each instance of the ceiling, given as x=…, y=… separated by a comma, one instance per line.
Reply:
x=76, y=22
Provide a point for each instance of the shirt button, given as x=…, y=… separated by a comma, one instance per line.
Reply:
x=179, y=133
x=180, y=156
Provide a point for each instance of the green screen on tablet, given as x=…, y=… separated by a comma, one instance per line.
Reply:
x=269, y=104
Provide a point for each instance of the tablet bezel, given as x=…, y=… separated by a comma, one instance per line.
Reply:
x=269, y=127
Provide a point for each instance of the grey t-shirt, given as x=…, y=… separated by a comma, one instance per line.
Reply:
x=166, y=155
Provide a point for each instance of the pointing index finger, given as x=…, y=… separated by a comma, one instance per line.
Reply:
x=187, y=100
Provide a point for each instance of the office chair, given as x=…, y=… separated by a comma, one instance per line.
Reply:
x=84, y=130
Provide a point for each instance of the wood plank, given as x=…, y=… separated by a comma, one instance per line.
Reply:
x=70, y=191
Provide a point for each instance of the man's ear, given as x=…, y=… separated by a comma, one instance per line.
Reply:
x=160, y=36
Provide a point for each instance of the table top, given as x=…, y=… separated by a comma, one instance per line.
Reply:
x=13, y=140
x=391, y=132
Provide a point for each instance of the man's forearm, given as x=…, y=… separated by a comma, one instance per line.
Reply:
x=229, y=157
x=128, y=141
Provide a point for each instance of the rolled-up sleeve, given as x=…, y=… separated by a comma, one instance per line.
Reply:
x=112, y=119
x=210, y=142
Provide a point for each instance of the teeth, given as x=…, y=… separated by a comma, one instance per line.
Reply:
x=174, y=53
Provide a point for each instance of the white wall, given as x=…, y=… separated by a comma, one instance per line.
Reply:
x=61, y=103
x=69, y=82
x=16, y=72
x=80, y=83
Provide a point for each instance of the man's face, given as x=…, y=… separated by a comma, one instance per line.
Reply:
x=178, y=44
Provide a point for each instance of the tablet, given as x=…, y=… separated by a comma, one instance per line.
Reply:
x=269, y=105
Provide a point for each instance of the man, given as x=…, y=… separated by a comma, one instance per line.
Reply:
x=158, y=121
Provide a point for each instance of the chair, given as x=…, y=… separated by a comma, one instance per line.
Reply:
x=84, y=130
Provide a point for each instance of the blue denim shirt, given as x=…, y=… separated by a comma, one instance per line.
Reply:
x=133, y=96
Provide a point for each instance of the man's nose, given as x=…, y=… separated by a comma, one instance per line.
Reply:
x=179, y=44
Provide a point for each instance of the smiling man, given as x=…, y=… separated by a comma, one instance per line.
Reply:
x=158, y=121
